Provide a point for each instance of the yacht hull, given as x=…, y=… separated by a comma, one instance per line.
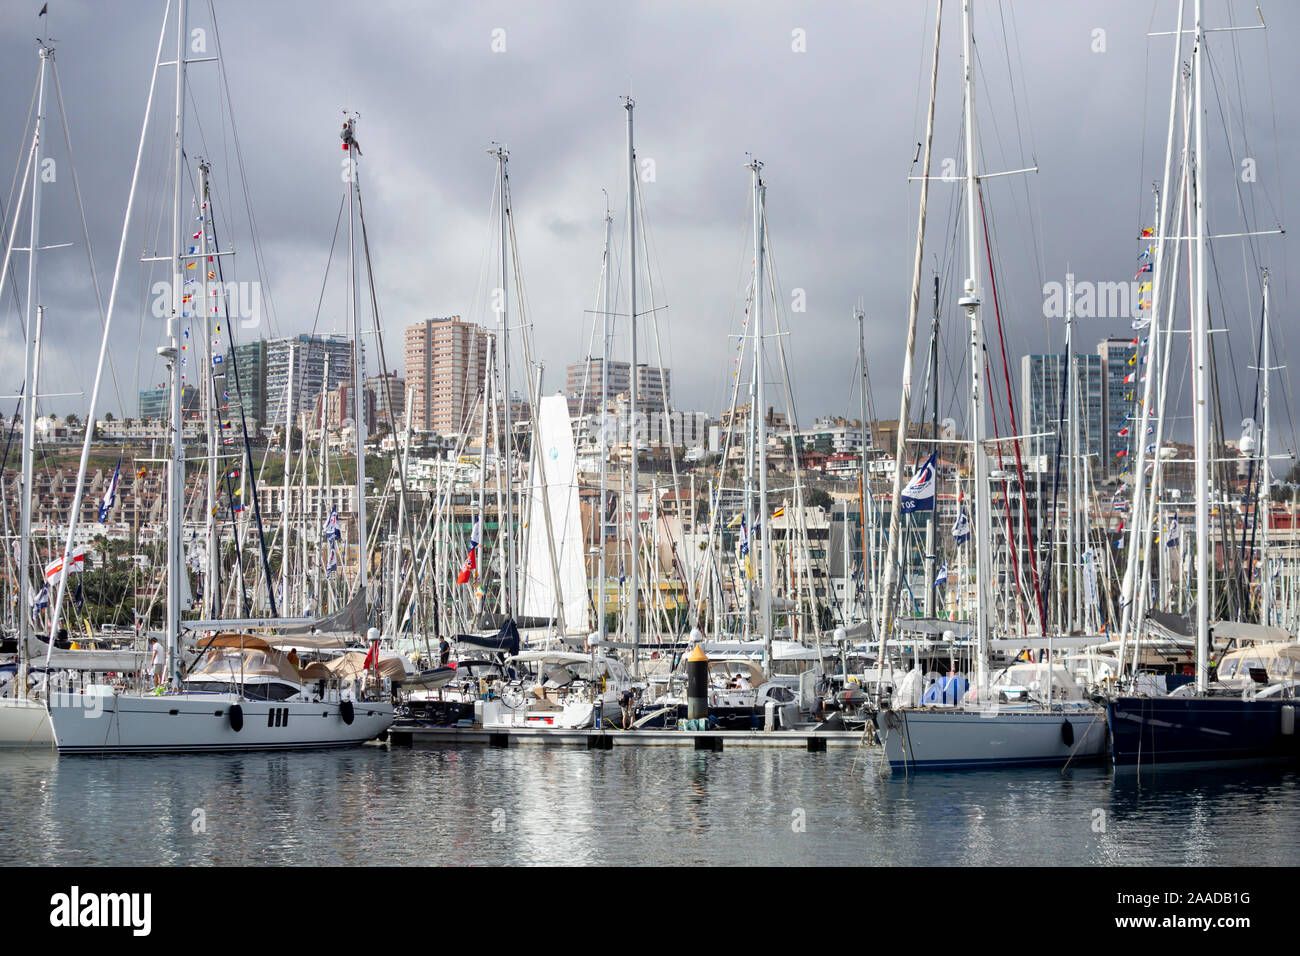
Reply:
x=101, y=722
x=1198, y=731
x=24, y=723
x=952, y=739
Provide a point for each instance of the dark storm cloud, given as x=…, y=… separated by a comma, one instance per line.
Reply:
x=836, y=126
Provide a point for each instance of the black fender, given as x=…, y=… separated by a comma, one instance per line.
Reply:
x=236, y=718
x=1067, y=733
x=346, y=711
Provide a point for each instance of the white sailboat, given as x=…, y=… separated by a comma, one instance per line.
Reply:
x=241, y=694
x=980, y=731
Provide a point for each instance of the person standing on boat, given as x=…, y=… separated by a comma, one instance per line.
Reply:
x=444, y=652
x=157, y=660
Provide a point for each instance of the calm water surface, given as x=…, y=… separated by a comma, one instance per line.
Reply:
x=533, y=805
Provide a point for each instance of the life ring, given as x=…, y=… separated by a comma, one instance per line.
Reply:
x=346, y=712
x=236, y=718
x=1067, y=733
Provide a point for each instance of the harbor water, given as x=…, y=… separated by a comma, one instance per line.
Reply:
x=631, y=805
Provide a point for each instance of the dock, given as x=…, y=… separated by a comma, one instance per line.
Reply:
x=810, y=740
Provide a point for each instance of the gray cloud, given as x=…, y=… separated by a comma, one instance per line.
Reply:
x=836, y=127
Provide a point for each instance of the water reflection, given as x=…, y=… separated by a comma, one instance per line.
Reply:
x=667, y=806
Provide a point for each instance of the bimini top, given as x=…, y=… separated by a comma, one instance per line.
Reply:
x=1278, y=659
x=246, y=641
x=226, y=660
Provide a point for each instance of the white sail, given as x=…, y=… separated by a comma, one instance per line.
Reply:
x=543, y=591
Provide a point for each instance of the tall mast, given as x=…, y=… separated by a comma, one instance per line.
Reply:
x=1201, y=378
x=633, y=436
x=284, y=505
x=1264, y=509
x=970, y=301
x=176, y=466
x=895, y=539
x=934, y=432
x=358, y=377
x=482, y=461
x=1072, y=452
x=507, y=526
x=868, y=517
x=606, y=274
x=212, y=584
x=759, y=414
x=34, y=313
x=1142, y=514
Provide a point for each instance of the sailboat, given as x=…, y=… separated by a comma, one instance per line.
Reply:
x=980, y=731
x=1208, y=722
x=242, y=693
x=24, y=721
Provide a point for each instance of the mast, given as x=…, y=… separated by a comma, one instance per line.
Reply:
x=1201, y=382
x=325, y=501
x=970, y=301
x=507, y=526
x=934, y=432
x=1143, y=513
x=358, y=406
x=633, y=436
x=888, y=591
x=284, y=504
x=212, y=585
x=1264, y=509
x=482, y=463
x=176, y=465
x=868, y=564
x=759, y=414
x=1072, y=454
x=35, y=314
x=604, y=432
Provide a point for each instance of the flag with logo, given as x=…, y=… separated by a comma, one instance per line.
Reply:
x=918, y=495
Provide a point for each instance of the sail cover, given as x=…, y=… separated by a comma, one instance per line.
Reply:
x=553, y=482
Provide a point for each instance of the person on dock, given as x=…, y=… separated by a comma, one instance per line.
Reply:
x=625, y=702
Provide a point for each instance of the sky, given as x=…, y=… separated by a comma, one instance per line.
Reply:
x=830, y=96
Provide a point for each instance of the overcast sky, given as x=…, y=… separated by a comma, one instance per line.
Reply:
x=829, y=95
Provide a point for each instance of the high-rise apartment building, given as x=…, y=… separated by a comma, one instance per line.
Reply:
x=155, y=403
x=586, y=379
x=320, y=364
x=1123, y=369
x=1041, y=381
x=245, y=384
x=446, y=363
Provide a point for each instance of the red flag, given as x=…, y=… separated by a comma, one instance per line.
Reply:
x=467, y=569
x=372, y=656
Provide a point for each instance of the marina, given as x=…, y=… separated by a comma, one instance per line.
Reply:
x=400, y=471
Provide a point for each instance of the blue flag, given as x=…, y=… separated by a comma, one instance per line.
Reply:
x=919, y=493
x=110, y=495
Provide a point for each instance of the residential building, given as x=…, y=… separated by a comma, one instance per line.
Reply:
x=446, y=367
